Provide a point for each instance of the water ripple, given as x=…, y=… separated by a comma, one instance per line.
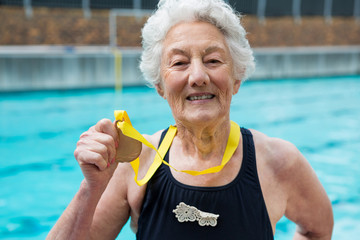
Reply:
x=287, y=121
x=328, y=145
x=22, y=226
x=34, y=167
x=42, y=134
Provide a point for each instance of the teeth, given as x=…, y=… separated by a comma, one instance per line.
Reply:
x=200, y=97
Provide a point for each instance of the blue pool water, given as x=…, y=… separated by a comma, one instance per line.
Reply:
x=39, y=131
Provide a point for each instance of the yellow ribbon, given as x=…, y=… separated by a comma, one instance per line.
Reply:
x=123, y=123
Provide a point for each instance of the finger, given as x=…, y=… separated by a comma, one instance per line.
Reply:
x=108, y=127
x=106, y=140
x=85, y=157
x=105, y=150
x=105, y=132
x=100, y=143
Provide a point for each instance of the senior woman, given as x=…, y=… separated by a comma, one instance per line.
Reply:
x=196, y=55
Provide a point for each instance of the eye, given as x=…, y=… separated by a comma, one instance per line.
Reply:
x=213, y=61
x=178, y=63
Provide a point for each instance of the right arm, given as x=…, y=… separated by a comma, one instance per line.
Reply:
x=77, y=219
x=102, y=198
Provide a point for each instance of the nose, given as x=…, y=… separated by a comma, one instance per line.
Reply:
x=198, y=75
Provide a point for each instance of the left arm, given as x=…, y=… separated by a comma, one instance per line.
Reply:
x=307, y=202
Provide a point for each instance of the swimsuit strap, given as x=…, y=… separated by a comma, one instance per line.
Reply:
x=123, y=123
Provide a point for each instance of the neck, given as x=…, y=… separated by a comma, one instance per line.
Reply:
x=204, y=140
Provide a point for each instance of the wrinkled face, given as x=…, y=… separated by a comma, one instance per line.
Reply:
x=197, y=73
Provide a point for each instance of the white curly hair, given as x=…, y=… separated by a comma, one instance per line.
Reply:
x=217, y=12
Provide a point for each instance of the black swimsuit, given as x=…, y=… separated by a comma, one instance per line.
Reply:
x=239, y=205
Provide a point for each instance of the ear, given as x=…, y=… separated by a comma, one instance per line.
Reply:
x=236, y=88
x=160, y=90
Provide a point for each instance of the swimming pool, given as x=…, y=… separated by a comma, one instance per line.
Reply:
x=39, y=131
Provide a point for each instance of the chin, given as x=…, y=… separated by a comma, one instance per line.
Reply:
x=200, y=115
x=203, y=118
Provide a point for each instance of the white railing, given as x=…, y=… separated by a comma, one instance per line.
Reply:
x=58, y=67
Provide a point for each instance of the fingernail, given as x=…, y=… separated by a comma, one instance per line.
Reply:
x=108, y=164
x=116, y=144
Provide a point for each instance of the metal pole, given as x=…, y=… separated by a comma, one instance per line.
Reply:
x=296, y=9
x=86, y=8
x=261, y=10
x=118, y=69
x=112, y=29
x=28, y=8
x=357, y=10
x=328, y=10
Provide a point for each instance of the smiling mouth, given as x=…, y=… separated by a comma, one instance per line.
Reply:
x=201, y=97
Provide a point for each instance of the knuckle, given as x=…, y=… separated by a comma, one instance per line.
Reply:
x=76, y=153
x=108, y=140
x=98, y=158
x=81, y=142
x=104, y=122
x=91, y=129
x=84, y=135
x=103, y=150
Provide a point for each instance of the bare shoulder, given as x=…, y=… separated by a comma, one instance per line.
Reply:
x=287, y=164
x=278, y=154
x=153, y=139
